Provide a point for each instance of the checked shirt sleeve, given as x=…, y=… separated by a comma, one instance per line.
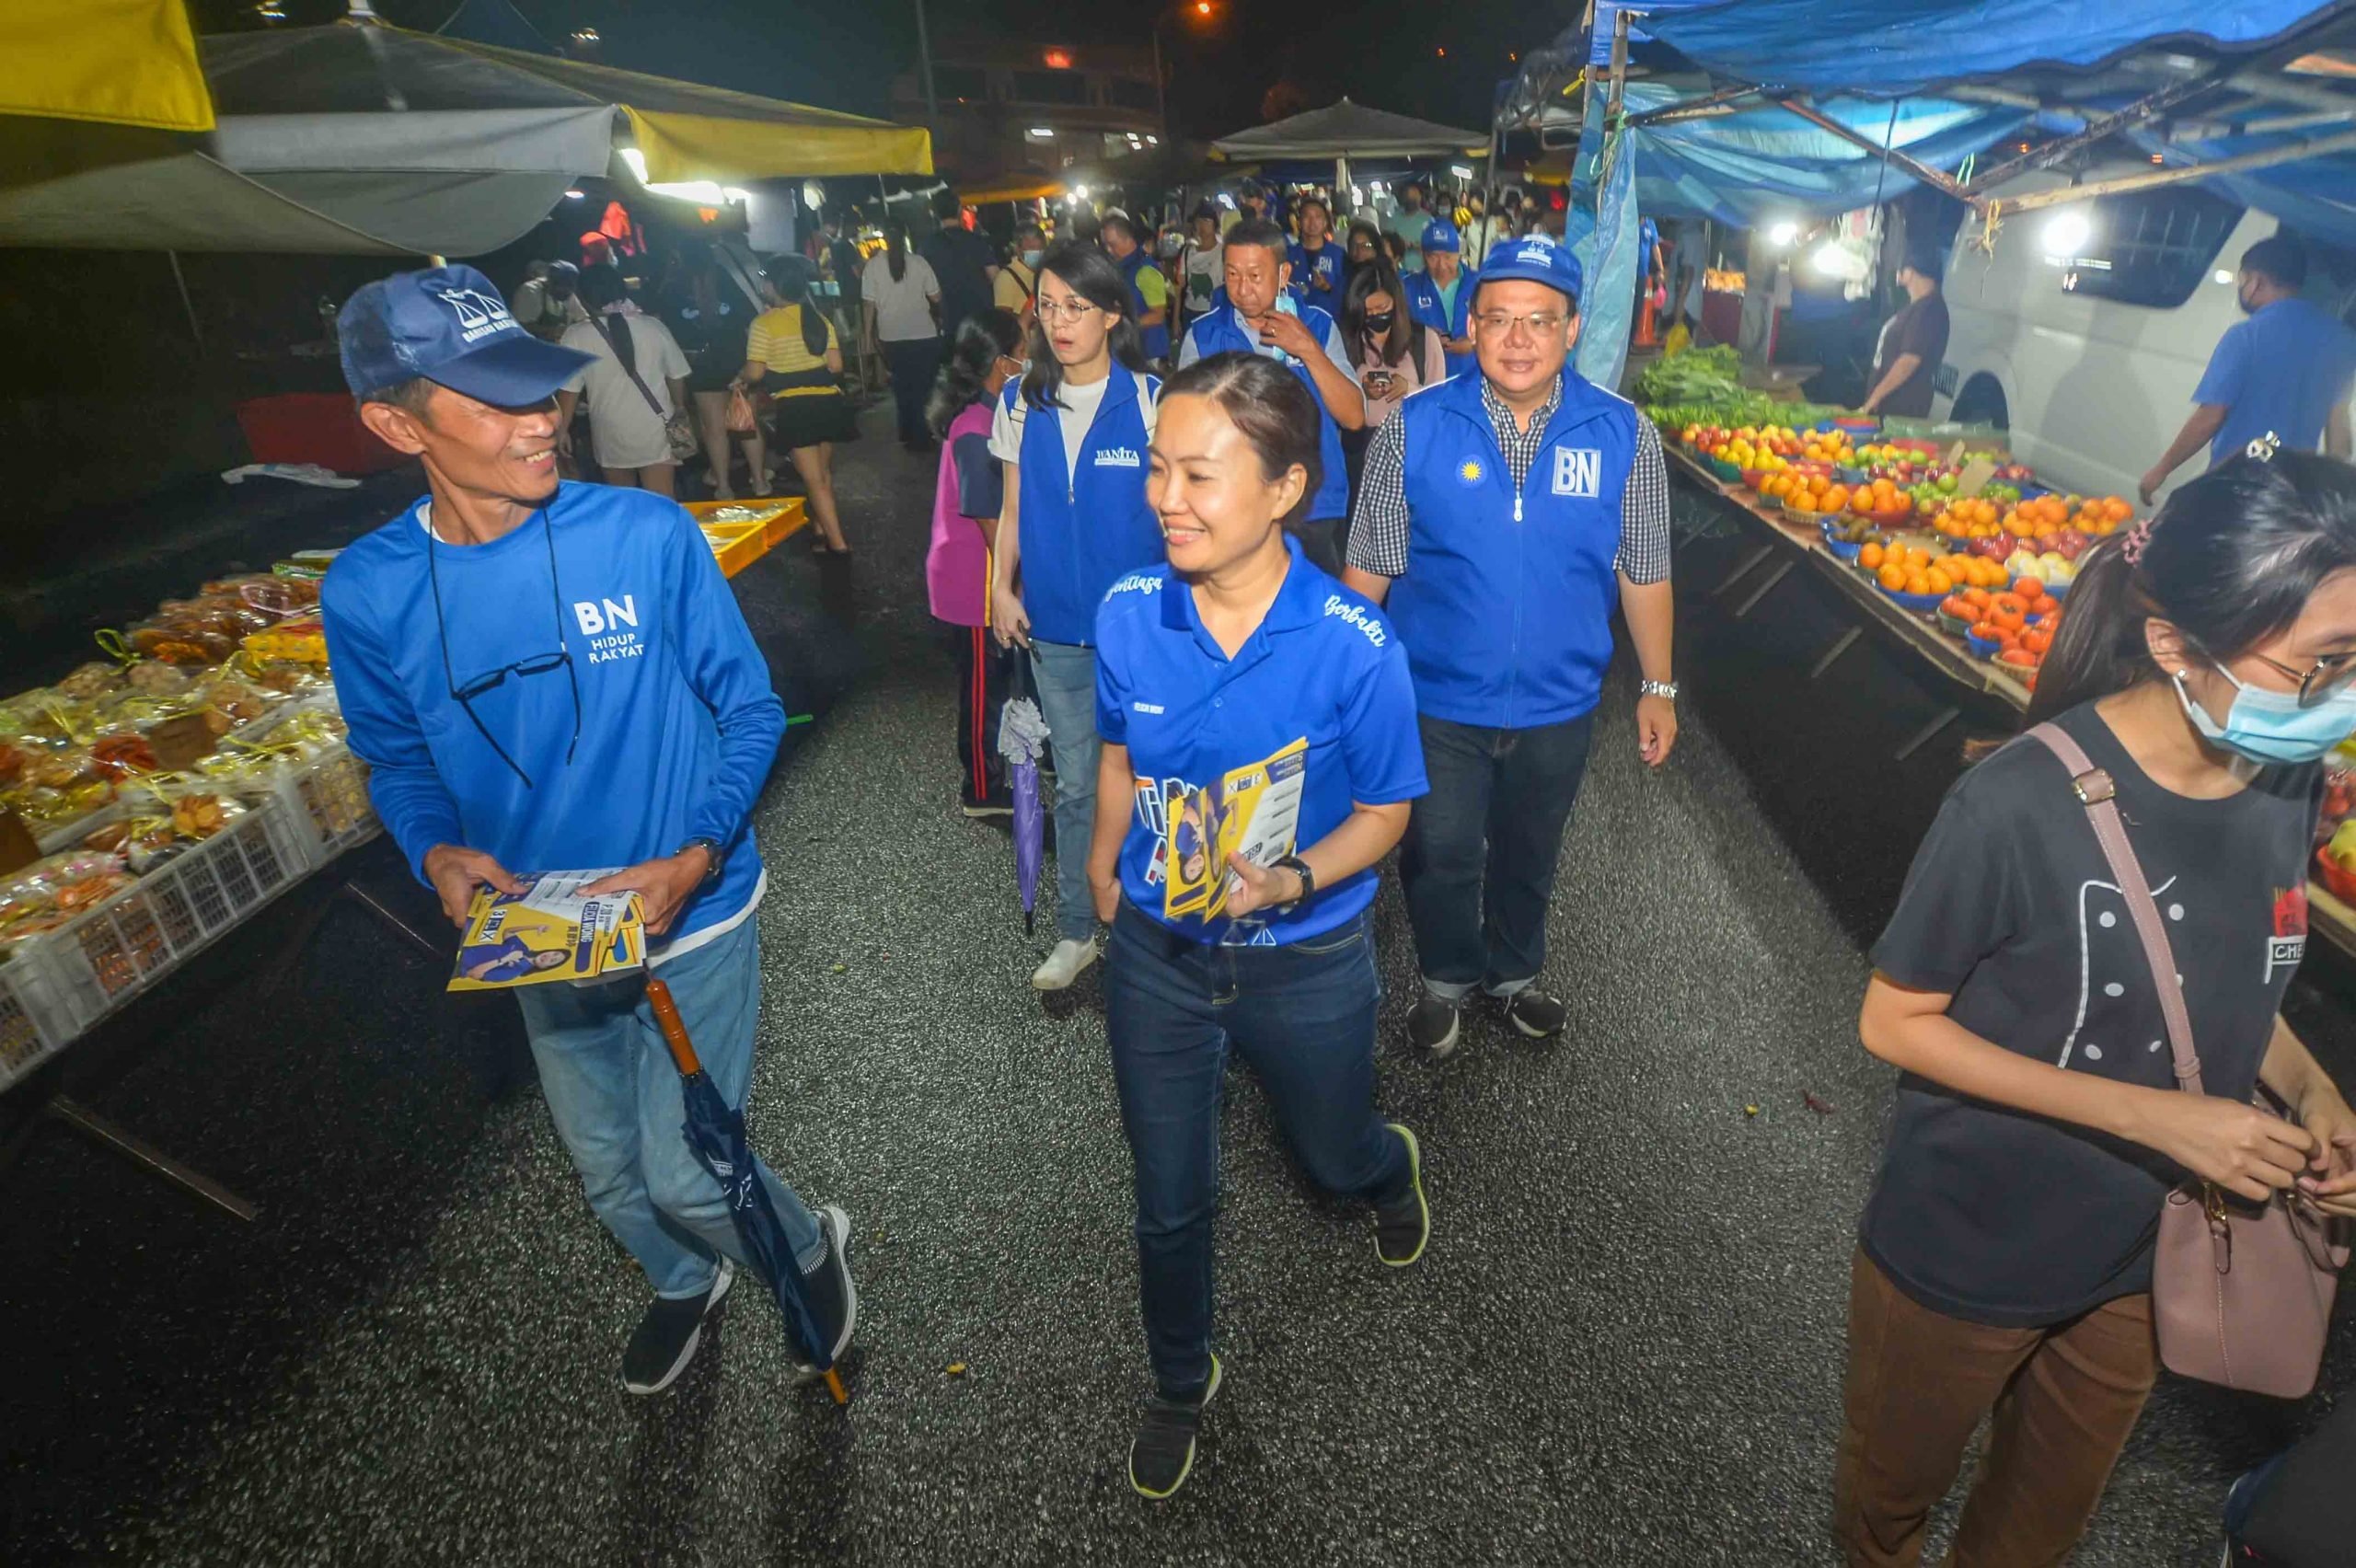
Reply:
x=1644, y=511
x=1378, y=528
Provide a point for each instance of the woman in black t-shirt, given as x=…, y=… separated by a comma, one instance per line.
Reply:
x=2208, y=662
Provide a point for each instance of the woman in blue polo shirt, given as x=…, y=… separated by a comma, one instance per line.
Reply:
x=1248, y=704
x=1072, y=434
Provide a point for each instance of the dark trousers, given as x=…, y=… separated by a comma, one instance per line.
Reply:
x=981, y=699
x=913, y=362
x=1478, y=860
x=1303, y=1016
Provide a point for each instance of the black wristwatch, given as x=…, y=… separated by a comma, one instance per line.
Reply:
x=715, y=858
x=1299, y=868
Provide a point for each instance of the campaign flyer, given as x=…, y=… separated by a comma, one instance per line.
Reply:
x=1253, y=811
x=552, y=930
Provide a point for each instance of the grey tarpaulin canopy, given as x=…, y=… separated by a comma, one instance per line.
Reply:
x=361, y=138
x=1343, y=131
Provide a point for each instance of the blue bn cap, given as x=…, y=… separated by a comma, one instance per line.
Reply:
x=1534, y=260
x=1440, y=234
x=450, y=326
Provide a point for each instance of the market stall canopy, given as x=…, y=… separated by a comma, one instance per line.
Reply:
x=1351, y=130
x=1764, y=163
x=1882, y=48
x=114, y=62
x=1015, y=188
x=373, y=140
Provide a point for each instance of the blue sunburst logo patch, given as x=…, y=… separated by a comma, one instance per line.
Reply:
x=1468, y=473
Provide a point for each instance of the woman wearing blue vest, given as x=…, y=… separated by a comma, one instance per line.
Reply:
x=1441, y=295
x=1258, y=725
x=1262, y=318
x=1072, y=434
x=1148, y=289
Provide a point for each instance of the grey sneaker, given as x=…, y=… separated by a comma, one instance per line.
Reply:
x=666, y=1337
x=834, y=1298
x=1063, y=965
x=1162, y=1455
x=1432, y=1026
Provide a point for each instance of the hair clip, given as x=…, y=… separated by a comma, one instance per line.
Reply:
x=2138, y=537
x=2265, y=447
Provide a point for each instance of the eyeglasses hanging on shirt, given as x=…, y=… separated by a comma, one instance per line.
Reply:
x=537, y=664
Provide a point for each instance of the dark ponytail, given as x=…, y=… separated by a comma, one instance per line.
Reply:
x=1090, y=273
x=1268, y=404
x=983, y=339
x=895, y=248
x=2231, y=559
x=791, y=276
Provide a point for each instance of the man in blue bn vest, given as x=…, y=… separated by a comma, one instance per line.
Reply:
x=1501, y=517
x=1262, y=318
x=1149, y=290
x=1441, y=295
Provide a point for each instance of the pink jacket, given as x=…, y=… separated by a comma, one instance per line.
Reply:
x=957, y=563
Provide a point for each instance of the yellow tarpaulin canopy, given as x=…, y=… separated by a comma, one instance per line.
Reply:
x=686, y=131
x=1011, y=190
x=120, y=62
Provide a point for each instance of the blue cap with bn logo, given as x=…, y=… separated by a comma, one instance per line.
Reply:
x=450, y=326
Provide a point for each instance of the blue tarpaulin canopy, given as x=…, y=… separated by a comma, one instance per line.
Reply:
x=1766, y=162
x=1886, y=47
x=2315, y=195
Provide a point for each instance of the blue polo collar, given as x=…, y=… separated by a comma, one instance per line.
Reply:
x=1298, y=603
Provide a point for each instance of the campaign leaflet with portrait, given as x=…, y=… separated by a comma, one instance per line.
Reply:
x=552, y=930
x=1253, y=811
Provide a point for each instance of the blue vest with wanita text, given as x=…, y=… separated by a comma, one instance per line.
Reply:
x=1082, y=531
x=1220, y=332
x=1506, y=604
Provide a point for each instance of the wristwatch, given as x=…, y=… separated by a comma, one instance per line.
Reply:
x=1667, y=689
x=1299, y=868
x=715, y=856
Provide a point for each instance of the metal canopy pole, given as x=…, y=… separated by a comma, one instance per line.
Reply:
x=2144, y=108
x=2344, y=142
x=1904, y=162
x=187, y=303
x=1718, y=102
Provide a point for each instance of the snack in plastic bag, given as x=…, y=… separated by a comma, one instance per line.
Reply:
x=154, y=679
x=304, y=640
x=93, y=679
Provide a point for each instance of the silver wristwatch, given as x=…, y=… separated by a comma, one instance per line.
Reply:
x=1658, y=688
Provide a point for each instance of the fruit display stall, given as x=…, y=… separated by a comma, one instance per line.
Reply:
x=1945, y=548
x=154, y=798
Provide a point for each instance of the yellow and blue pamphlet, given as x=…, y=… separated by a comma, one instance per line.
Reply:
x=1253, y=811
x=552, y=930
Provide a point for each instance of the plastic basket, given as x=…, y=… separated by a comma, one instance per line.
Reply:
x=35, y=1021
x=737, y=545
x=100, y=959
x=326, y=805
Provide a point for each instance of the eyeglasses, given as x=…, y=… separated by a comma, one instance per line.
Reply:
x=537, y=664
x=2325, y=678
x=1055, y=310
x=1499, y=324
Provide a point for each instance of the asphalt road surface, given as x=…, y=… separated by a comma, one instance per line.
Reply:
x=1624, y=1346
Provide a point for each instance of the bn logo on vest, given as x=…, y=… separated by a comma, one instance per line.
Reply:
x=1578, y=470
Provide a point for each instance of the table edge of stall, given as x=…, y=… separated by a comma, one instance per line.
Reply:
x=2328, y=915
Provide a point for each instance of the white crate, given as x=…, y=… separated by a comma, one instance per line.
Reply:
x=34, y=1019
x=75, y=974
x=326, y=802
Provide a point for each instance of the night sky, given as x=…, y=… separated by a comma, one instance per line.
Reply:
x=843, y=55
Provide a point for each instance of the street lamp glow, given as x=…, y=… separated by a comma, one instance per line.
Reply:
x=574, y=195
x=1461, y=172
x=1783, y=233
x=1043, y=131
x=2066, y=233
x=2225, y=277
x=1828, y=258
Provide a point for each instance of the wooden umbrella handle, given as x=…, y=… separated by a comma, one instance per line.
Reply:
x=675, y=1032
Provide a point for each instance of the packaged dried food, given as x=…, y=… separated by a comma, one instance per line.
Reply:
x=231, y=703
x=157, y=679
x=107, y=838
x=12, y=762
x=44, y=809
x=270, y=594
x=303, y=641
x=50, y=892
x=86, y=681
x=200, y=816
x=121, y=755
x=61, y=769
x=182, y=642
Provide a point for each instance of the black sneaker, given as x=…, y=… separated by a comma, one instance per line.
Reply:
x=998, y=804
x=1162, y=1455
x=666, y=1337
x=1535, y=1013
x=834, y=1299
x=1402, y=1228
x=1432, y=1026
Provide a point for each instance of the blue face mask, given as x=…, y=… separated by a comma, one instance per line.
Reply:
x=1031, y=259
x=2270, y=726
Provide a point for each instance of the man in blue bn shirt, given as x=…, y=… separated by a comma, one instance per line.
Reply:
x=547, y=677
x=2285, y=372
x=1501, y=518
x=1262, y=318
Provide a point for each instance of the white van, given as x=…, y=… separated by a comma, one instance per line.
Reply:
x=2087, y=330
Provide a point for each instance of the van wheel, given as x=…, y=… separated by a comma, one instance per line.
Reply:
x=1981, y=401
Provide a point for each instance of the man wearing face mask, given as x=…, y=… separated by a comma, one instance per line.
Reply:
x=2285, y=372
x=1016, y=287
x=1262, y=317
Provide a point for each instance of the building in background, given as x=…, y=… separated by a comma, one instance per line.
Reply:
x=1006, y=107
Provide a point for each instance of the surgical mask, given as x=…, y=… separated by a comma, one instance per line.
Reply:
x=1032, y=257
x=1378, y=321
x=2271, y=726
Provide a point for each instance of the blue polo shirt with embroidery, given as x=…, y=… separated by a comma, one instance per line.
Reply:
x=1324, y=667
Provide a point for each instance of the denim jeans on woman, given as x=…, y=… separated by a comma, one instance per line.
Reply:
x=1303, y=1017
x=1478, y=862
x=614, y=1097
x=1065, y=675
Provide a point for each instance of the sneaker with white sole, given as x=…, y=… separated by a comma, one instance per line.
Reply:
x=1432, y=1026
x=1162, y=1455
x=666, y=1337
x=834, y=1298
x=1064, y=965
x=1535, y=1014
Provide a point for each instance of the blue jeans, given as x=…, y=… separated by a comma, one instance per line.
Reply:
x=614, y=1097
x=1065, y=673
x=1303, y=1016
x=1478, y=862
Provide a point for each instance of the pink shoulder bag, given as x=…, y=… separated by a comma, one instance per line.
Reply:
x=2240, y=1293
